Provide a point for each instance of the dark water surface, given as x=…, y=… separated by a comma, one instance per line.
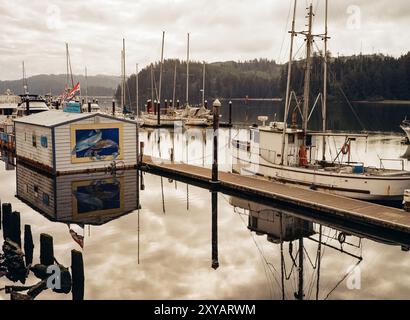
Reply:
x=164, y=251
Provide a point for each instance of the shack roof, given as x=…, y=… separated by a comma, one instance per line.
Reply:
x=55, y=118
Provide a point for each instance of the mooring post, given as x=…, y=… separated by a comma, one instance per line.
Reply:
x=27, y=106
x=28, y=244
x=230, y=113
x=215, y=259
x=15, y=228
x=113, y=108
x=216, y=106
x=171, y=154
x=158, y=113
x=206, y=104
x=6, y=208
x=89, y=107
x=178, y=104
x=57, y=105
x=46, y=249
x=77, y=270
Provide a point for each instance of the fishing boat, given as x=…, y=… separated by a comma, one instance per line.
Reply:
x=36, y=104
x=289, y=154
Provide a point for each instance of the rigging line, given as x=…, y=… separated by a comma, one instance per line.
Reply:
x=284, y=33
x=261, y=253
x=343, y=279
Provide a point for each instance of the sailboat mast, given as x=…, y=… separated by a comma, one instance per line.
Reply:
x=86, y=86
x=285, y=118
x=306, y=92
x=123, y=73
x=175, y=84
x=153, y=106
x=137, y=89
x=324, y=111
x=67, y=73
x=203, y=85
x=187, y=73
x=161, y=68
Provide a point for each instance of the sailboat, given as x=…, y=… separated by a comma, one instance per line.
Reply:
x=69, y=96
x=153, y=116
x=288, y=154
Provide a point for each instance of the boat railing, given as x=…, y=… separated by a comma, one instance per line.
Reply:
x=392, y=160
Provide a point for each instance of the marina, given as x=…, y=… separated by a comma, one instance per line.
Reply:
x=212, y=160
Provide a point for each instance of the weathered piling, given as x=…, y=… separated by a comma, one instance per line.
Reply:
x=89, y=106
x=159, y=113
x=1, y=216
x=113, y=107
x=28, y=244
x=178, y=104
x=6, y=209
x=230, y=113
x=46, y=249
x=15, y=228
x=206, y=104
x=216, y=106
x=77, y=270
x=215, y=259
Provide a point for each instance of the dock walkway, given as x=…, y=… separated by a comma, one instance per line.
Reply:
x=350, y=209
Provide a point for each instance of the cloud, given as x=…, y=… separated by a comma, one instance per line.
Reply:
x=220, y=30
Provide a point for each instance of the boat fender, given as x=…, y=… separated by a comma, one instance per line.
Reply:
x=341, y=237
x=346, y=148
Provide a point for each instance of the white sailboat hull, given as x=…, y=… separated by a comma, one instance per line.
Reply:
x=358, y=186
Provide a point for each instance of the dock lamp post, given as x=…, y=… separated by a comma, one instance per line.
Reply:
x=216, y=107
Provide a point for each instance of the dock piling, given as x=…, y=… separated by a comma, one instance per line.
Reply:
x=158, y=113
x=77, y=270
x=215, y=259
x=27, y=107
x=113, y=108
x=15, y=228
x=230, y=113
x=216, y=106
x=6, y=209
x=89, y=107
x=46, y=250
x=28, y=244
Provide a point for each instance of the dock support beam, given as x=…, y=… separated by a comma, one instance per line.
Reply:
x=216, y=106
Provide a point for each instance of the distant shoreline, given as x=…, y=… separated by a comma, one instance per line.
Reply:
x=397, y=102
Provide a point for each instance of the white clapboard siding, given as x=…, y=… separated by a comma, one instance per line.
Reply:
x=24, y=143
x=63, y=146
x=27, y=179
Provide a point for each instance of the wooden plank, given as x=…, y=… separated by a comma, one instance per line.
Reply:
x=360, y=211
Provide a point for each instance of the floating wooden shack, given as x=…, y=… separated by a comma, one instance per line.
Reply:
x=81, y=198
x=65, y=143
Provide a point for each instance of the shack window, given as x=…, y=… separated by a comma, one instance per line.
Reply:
x=46, y=199
x=44, y=142
x=34, y=140
x=35, y=191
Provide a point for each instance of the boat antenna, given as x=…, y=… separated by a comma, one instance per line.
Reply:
x=25, y=85
x=287, y=99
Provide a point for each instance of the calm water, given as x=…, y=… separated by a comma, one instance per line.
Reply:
x=164, y=251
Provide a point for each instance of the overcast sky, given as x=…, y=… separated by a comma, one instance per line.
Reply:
x=35, y=31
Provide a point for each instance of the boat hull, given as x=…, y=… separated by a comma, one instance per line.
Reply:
x=357, y=186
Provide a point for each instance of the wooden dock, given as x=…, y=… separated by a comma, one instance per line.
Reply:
x=378, y=217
